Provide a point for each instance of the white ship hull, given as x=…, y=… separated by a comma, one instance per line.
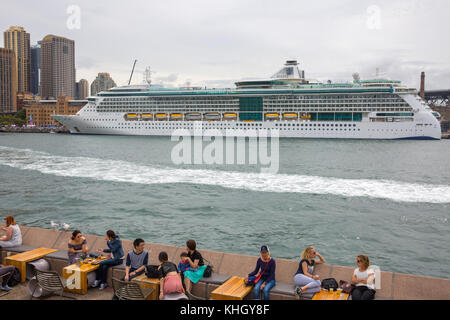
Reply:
x=287, y=129
x=381, y=123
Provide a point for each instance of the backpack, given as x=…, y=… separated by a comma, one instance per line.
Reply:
x=330, y=283
x=151, y=271
x=15, y=278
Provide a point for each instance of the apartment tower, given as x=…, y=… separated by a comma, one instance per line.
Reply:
x=57, y=67
x=18, y=40
x=8, y=81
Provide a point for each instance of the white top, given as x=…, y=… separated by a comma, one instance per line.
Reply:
x=16, y=236
x=364, y=275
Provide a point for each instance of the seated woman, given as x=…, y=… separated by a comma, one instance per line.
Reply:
x=77, y=246
x=13, y=236
x=266, y=280
x=304, y=279
x=195, y=259
x=363, y=278
x=171, y=280
x=115, y=248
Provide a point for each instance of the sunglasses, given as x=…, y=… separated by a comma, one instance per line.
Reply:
x=358, y=260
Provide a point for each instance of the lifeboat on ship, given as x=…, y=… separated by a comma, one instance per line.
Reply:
x=229, y=116
x=131, y=116
x=147, y=116
x=161, y=116
x=272, y=116
x=193, y=116
x=290, y=116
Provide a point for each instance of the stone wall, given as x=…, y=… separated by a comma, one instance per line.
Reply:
x=393, y=285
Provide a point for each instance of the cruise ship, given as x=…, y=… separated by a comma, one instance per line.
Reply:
x=286, y=102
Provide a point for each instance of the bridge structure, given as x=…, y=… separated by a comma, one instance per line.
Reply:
x=437, y=98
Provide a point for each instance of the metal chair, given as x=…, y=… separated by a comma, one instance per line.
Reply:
x=6, y=275
x=50, y=281
x=130, y=290
x=193, y=297
x=175, y=296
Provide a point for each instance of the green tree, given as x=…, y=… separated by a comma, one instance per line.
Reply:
x=22, y=114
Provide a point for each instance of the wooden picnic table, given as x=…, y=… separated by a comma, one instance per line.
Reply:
x=233, y=289
x=330, y=295
x=145, y=283
x=77, y=277
x=20, y=260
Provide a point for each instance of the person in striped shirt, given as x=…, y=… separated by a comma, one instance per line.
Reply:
x=137, y=260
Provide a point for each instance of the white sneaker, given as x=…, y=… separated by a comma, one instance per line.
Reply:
x=103, y=286
x=96, y=283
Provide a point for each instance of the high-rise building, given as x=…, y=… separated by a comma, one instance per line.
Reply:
x=8, y=81
x=35, y=68
x=57, y=67
x=101, y=83
x=82, y=89
x=18, y=40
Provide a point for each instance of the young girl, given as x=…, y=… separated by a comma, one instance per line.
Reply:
x=171, y=280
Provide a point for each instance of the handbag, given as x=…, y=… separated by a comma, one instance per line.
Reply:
x=208, y=270
x=330, y=283
x=15, y=278
x=346, y=286
x=151, y=271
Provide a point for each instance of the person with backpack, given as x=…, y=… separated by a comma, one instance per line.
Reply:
x=3, y=271
x=305, y=281
x=363, y=279
x=265, y=280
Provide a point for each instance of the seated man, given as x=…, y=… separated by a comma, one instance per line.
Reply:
x=3, y=271
x=137, y=260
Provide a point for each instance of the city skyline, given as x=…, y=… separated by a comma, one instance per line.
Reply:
x=203, y=45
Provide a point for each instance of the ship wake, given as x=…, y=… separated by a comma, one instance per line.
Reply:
x=128, y=172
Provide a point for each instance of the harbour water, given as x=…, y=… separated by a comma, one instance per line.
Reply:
x=387, y=199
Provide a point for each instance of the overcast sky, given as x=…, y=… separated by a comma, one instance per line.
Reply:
x=215, y=43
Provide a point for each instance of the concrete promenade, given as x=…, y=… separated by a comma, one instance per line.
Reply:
x=394, y=286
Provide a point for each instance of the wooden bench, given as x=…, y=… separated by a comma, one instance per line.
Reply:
x=330, y=295
x=20, y=260
x=146, y=283
x=232, y=289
